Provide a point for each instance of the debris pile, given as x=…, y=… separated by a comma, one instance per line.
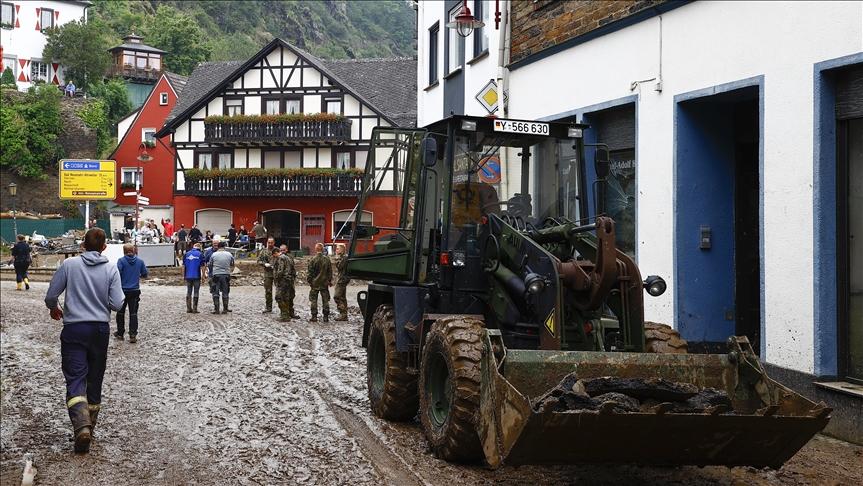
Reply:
x=624, y=395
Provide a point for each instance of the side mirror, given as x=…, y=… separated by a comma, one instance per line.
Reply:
x=429, y=148
x=364, y=231
x=600, y=162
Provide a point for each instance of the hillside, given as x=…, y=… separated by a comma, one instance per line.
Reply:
x=335, y=29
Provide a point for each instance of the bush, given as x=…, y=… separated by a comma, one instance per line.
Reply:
x=29, y=128
x=93, y=114
x=117, y=103
x=7, y=78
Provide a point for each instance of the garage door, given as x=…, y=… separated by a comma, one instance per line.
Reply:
x=216, y=220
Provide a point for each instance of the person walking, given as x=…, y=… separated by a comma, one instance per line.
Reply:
x=267, y=260
x=182, y=238
x=205, y=261
x=285, y=274
x=193, y=272
x=260, y=233
x=21, y=259
x=340, y=296
x=221, y=265
x=320, y=277
x=131, y=270
x=93, y=290
x=232, y=236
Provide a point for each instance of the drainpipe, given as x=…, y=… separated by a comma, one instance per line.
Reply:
x=503, y=58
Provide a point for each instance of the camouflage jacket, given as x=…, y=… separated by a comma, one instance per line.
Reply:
x=342, y=268
x=284, y=270
x=320, y=273
x=266, y=256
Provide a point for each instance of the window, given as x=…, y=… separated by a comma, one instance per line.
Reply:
x=342, y=160
x=204, y=160
x=480, y=35
x=433, y=52
x=293, y=106
x=140, y=62
x=234, y=106
x=7, y=14
x=332, y=105
x=46, y=18
x=274, y=105
x=155, y=62
x=343, y=223
x=272, y=160
x=38, y=71
x=455, y=47
x=225, y=160
x=293, y=159
x=129, y=179
x=148, y=135
x=163, y=99
x=128, y=59
x=214, y=159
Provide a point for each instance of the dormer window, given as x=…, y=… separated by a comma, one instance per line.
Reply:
x=163, y=99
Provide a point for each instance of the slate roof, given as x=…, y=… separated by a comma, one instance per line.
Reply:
x=178, y=81
x=388, y=85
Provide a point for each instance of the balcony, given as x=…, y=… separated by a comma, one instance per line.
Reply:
x=272, y=183
x=131, y=72
x=276, y=129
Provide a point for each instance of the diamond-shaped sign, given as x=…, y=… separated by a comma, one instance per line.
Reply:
x=488, y=96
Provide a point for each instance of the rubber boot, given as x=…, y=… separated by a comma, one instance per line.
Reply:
x=314, y=318
x=79, y=413
x=19, y=286
x=326, y=317
x=26, y=283
x=195, y=305
x=216, y=305
x=188, y=305
x=94, y=415
x=225, y=304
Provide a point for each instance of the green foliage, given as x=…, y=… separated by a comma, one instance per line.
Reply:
x=29, y=128
x=113, y=92
x=94, y=114
x=195, y=174
x=179, y=35
x=7, y=78
x=282, y=118
x=81, y=47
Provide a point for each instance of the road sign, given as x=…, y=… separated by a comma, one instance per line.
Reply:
x=88, y=179
x=489, y=171
x=129, y=193
x=143, y=200
x=143, y=203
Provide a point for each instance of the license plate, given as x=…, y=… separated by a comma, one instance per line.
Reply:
x=512, y=126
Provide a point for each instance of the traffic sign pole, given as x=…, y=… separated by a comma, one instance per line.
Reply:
x=86, y=215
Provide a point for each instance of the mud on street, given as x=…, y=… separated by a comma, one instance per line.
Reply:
x=245, y=399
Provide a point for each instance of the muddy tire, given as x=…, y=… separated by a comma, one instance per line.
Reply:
x=661, y=338
x=450, y=388
x=392, y=389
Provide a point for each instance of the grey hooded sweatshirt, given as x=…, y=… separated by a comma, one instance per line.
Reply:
x=92, y=289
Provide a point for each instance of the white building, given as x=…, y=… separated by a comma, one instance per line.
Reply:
x=22, y=37
x=736, y=138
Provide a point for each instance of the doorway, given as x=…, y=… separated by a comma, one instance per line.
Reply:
x=283, y=225
x=849, y=137
x=313, y=231
x=717, y=216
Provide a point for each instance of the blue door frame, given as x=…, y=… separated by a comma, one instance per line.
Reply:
x=704, y=178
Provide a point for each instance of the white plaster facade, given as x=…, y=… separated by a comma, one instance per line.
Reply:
x=23, y=39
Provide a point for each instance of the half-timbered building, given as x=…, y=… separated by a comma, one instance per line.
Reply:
x=283, y=138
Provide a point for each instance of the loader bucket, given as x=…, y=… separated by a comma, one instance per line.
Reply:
x=769, y=423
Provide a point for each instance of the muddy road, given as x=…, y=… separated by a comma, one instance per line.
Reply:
x=244, y=399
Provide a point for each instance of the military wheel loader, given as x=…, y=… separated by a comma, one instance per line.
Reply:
x=511, y=323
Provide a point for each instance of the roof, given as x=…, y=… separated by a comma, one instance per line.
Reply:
x=137, y=47
x=178, y=81
x=386, y=85
x=390, y=84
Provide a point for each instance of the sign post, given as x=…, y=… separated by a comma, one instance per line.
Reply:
x=88, y=180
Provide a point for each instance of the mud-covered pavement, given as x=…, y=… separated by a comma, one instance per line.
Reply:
x=244, y=399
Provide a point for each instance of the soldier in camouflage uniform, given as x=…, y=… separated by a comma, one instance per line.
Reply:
x=320, y=277
x=342, y=281
x=266, y=259
x=284, y=276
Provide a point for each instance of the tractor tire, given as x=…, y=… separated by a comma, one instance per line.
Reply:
x=661, y=338
x=450, y=388
x=392, y=388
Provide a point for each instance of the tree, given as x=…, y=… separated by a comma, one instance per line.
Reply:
x=30, y=125
x=82, y=48
x=7, y=77
x=179, y=35
x=116, y=97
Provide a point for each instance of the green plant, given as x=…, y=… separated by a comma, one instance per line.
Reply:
x=287, y=173
x=94, y=115
x=29, y=128
x=7, y=78
x=149, y=143
x=117, y=103
x=282, y=118
x=127, y=185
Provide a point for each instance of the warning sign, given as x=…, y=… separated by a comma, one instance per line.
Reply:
x=549, y=322
x=88, y=179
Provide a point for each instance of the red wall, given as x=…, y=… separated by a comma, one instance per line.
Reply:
x=247, y=210
x=159, y=172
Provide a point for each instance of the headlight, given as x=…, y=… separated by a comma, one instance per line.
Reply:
x=534, y=283
x=655, y=285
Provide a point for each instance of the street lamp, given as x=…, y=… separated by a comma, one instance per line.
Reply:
x=464, y=21
x=143, y=156
x=13, y=191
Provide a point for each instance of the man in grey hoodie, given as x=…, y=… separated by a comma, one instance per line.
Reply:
x=93, y=290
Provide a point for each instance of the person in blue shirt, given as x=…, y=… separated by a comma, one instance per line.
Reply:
x=131, y=270
x=193, y=271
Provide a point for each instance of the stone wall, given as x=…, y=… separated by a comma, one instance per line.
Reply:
x=540, y=24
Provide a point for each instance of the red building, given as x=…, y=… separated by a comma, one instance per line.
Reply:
x=156, y=176
x=283, y=138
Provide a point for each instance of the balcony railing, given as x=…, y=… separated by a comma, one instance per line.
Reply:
x=132, y=72
x=345, y=185
x=277, y=132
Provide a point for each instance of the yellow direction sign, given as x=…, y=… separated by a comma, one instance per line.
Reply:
x=88, y=179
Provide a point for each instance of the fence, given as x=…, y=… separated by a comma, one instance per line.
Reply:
x=47, y=227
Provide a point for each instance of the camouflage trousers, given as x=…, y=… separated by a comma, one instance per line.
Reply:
x=268, y=291
x=313, y=299
x=340, y=297
x=285, y=298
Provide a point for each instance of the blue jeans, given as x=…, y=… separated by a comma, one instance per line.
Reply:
x=84, y=352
